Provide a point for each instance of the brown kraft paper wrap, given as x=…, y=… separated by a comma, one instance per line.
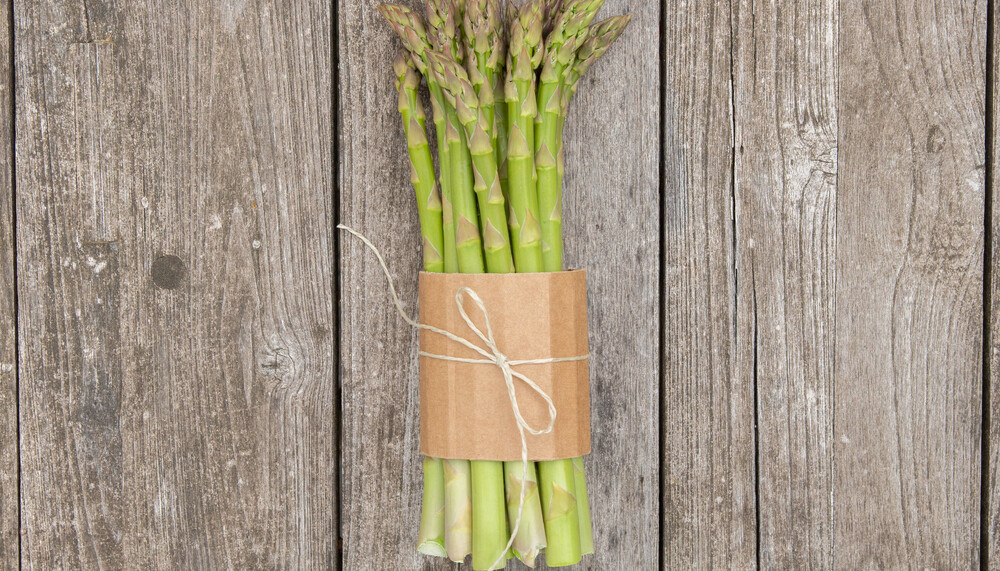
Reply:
x=465, y=409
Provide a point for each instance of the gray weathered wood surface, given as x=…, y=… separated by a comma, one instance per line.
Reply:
x=380, y=461
x=785, y=110
x=782, y=206
x=9, y=545
x=991, y=462
x=909, y=288
x=174, y=175
x=707, y=393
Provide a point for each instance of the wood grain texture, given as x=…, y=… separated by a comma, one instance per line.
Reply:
x=708, y=399
x=381, y=465
x=785, y=83
x=176, y=314
x=909, y=315
x=991, y=526
x=9, y=497
x=611, y=230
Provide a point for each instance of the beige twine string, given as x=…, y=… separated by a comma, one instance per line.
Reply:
x=492, y=356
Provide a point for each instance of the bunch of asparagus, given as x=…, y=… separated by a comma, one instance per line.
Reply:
x=500, y=79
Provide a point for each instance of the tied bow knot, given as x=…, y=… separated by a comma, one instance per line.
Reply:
x=492, y=355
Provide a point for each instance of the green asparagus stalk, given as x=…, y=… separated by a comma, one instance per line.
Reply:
x=569, y=30
x=431, y=538
x=411, y=29
x=421, y=162
x=460, y=93
x=583, y=508
x=457, y=508
x=567, y=35
x=530, y=539
x=524, y=57
x=489, y=518
x=519, y=101
x=455, y=473
x=602, y=35
x=557, y=484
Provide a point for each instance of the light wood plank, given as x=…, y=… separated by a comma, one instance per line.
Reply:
x=785, y=81
x=612, y=228
x=611, y=157
x=991, y=527
x=708, y=399
x=9, y=500
x=909, y=314
x=175, y=258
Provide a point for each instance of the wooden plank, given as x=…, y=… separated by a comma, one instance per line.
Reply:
x=785, y=81
x=612, y=167
x=612, y=229
x=991, y=527
x=176, y=314
x=381, y=470
x=909, y=313
x=708, y=432
x=9, y=500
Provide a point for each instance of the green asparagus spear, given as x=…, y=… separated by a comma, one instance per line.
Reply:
x=524, y=57
x=411, y=29
x=431, y=539
x=457, y=508
x=566, y=37
x=569, y=31
x=460, y=93
x=421, y=163
x=489, y=517
x=583, y=508
x=530, y=539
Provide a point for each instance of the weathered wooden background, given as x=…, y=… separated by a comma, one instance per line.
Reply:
x=785, y=207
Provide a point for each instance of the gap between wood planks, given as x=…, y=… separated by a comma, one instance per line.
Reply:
x=985, y=433
x=662, y=174
x=11, y=85
x=335, y=127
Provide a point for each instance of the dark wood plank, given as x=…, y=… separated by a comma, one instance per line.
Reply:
x=612, y=228
x=175, y=180
x=785, y=80
x=708, y=432
x=9, y=500
x=611, y=156
x=909, y=313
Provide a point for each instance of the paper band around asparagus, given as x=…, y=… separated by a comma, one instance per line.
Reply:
x=493, y=356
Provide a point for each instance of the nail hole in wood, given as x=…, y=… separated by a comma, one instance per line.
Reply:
x=168, y=272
